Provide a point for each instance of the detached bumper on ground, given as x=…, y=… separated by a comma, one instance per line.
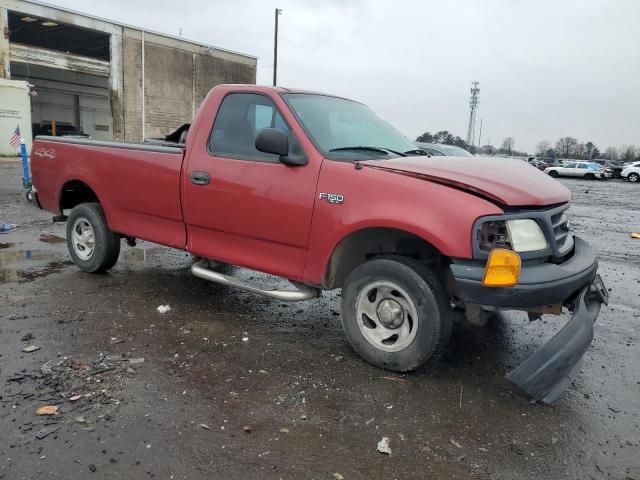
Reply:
x=574, y=283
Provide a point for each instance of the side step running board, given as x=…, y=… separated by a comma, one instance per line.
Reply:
x=303, y=292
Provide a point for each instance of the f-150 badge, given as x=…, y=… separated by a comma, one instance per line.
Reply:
x=332, y=198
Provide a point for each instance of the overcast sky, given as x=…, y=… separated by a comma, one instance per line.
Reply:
x=546, y=68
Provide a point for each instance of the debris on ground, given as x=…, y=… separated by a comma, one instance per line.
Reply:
x=136, y=361
x=45, y=432
x=383, y=446
x=453, y=442
x=245, y=339
x=47, y=410
x=30, y=349
x=164, y=308
x=337, y=476
x=89, y=387
x=50, y=238
x=205, y=426
x=27, y=338
x=7, y=227
x=635, y=235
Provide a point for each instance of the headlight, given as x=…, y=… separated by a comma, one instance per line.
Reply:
x=520, y=235
x=526, y=235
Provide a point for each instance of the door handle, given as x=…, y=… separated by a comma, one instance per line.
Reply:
x=200, y=178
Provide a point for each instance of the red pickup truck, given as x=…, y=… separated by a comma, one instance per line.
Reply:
x=319, y=190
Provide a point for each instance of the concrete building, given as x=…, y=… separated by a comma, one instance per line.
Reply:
x=110, y=80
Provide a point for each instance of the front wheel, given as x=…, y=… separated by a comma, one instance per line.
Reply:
x=633, y=177
x=396, y=313
x=92, y=246
x=590, y=176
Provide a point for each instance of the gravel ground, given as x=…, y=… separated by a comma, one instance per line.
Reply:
x=230, y=385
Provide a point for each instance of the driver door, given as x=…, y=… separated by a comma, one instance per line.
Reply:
x=243, y=206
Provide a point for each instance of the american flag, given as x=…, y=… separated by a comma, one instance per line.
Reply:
x=15, y=138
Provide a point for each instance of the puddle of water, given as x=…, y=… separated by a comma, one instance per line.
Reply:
x=15, y=275
x=10, y=260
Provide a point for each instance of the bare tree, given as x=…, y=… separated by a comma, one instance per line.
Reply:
x=580, y=151
x=542, y=147
x=566, y=146
x=611, y=153
x=590, y=150
x=627, y=153
x=508, y=144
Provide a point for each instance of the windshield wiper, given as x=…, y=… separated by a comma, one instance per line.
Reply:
x=386, y=151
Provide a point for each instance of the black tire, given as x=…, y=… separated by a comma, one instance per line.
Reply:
x=432, y=327
x=106, y=244
x=589, y=176
x=633, y=177
x=553, y=173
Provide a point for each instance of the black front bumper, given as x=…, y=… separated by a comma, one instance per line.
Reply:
x=575, y=284
x=539, y=284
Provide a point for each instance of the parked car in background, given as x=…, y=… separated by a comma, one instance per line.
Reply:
x=611, y=165
x=588, y=170
x=440, y=149
x=538, y=163
x=631, y=172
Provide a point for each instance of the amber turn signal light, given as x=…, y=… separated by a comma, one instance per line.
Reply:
x=503, y=268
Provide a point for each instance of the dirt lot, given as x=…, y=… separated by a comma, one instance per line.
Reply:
x=238, y=386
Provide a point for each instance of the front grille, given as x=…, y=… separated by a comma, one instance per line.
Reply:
x=560, y=228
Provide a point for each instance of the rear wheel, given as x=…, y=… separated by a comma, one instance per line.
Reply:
x=633, y=177
x=396, y=313
x=553, y=173
x=92, y=246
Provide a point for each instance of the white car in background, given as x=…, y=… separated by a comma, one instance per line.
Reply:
x=588, y=170
x=631, y=172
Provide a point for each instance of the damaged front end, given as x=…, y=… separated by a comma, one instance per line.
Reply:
x=568, y=277
x=549, y=371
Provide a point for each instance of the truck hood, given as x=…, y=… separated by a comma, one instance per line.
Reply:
x=508, y=182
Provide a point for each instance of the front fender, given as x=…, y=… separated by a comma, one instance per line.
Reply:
x=441, y=215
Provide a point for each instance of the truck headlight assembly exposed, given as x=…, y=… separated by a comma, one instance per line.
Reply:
x=519, y=235
x=526, y=235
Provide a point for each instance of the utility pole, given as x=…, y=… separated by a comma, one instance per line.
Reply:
x=480, y=135
x=473, y=105
x=275, y=48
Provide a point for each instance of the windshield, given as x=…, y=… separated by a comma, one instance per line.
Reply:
x=347, y=130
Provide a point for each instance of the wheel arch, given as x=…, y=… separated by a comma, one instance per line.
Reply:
x=74, y=192
x=363, y=244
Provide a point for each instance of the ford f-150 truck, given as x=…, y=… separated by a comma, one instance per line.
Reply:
x=319, y=190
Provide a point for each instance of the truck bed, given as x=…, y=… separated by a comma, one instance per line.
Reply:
x=145, y=178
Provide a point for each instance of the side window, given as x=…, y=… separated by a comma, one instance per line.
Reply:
x=570, y=165
x=583, y=165
x=240, y=117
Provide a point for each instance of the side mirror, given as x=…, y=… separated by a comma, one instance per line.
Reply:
x=272, y=140
x=276, y=142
